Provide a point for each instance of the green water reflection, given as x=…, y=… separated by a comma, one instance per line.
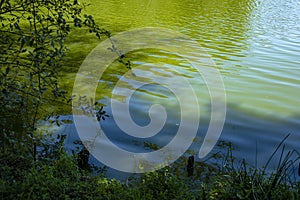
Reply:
x=254, y=43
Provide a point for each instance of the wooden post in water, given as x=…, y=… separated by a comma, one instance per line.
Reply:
x=190, y=166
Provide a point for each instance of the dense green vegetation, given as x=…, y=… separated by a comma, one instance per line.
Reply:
x=56, y=175
x=32, y=166
x=33, y=51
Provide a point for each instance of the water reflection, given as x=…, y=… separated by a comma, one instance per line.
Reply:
x=221, y=26
x=255, y=45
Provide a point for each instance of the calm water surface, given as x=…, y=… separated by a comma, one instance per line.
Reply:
x=256, y=47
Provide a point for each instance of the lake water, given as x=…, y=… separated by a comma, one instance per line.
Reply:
x=256, y=48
